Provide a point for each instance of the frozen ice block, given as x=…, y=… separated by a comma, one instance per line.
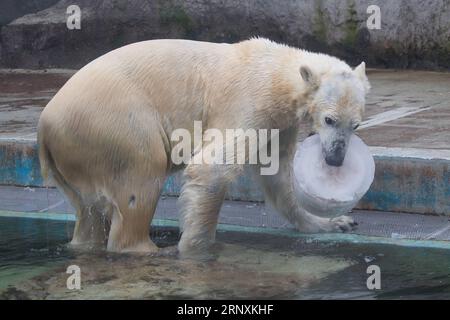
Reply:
x=326, y=190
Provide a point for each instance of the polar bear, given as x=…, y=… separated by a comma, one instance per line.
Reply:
x=105, y=136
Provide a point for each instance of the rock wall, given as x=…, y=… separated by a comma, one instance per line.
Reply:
x=413, y=34
x=13, y=9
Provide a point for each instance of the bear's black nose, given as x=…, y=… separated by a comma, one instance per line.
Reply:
x=336, y=156
x=334, y=161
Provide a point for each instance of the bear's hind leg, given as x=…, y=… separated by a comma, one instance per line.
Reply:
x=93, y=222
x=91, y=228
x=131, y=218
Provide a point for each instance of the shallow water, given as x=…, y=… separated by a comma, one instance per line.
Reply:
x=34, y=259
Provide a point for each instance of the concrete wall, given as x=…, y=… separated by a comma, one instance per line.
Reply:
x=417, y=183
x=413, y=34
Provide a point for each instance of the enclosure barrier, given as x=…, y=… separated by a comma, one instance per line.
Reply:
x=406, y=180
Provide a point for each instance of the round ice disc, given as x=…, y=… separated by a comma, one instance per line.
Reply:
x=327, y=186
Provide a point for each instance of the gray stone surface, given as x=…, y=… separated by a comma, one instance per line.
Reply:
x=413, y=34
x=13, y=9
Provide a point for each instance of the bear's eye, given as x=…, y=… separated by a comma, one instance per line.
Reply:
x=329, y=121
x=356, y=126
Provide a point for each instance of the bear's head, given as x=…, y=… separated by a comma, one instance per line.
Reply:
x=336, y=108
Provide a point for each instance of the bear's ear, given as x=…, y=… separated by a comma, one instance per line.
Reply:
x=309, y=77
x=360, y=72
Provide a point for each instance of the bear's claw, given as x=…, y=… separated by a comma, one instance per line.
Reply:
x=344, y=224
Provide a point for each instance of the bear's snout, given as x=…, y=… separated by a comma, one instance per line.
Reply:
x=336, y=156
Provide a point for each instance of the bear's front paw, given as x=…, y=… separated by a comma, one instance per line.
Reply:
x=343, y=224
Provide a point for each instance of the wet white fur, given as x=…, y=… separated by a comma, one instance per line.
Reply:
x=104, y=137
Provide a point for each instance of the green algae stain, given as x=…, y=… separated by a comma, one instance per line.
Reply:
x=351, y=25
x=171, y=14
x=320, y=24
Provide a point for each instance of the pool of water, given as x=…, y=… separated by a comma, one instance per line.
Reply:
x=34, y=259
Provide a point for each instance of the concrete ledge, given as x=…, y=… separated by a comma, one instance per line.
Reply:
x=410, y=180
x=19, y=163
x=406, y=180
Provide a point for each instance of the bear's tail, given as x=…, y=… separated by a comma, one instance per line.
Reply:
x=48, y=167
x=45, y=158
